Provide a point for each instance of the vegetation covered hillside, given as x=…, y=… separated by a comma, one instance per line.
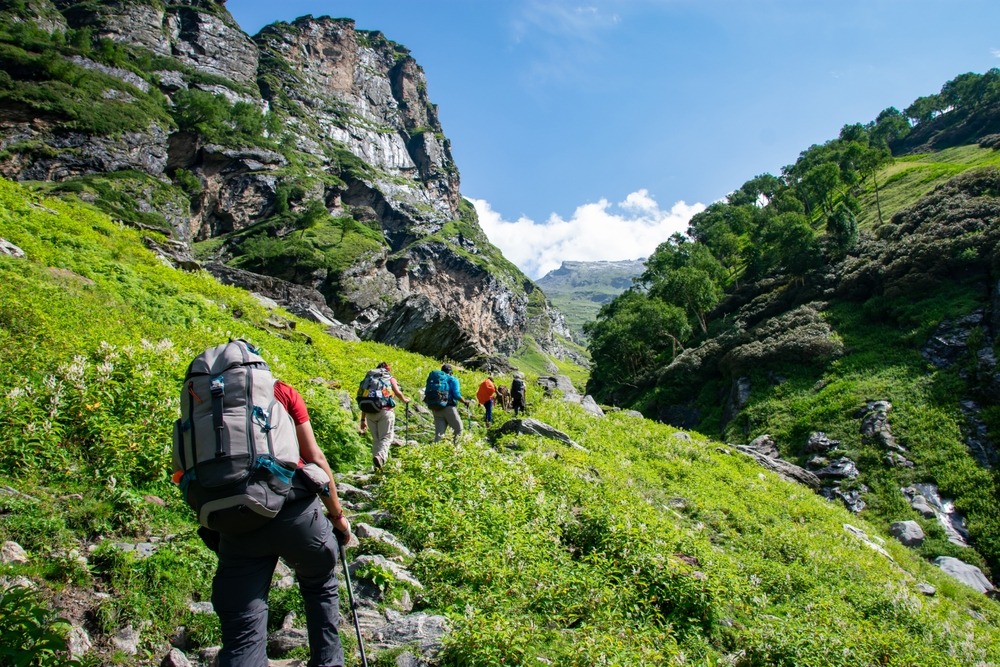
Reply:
x=306, y=163
x=633, y=543
x=847, y=310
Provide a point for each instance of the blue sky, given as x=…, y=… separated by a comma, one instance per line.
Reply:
x=594, y=130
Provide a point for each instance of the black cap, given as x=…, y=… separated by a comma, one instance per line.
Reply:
x=446, y=368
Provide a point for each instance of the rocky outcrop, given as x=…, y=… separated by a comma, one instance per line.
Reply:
x=345, y=126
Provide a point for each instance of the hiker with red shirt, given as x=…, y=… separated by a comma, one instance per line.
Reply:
x=302, y=536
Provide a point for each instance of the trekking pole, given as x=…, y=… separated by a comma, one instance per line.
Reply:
x=406, y=423
x=354, y=605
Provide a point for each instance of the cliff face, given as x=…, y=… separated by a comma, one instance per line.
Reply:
x=232, y=143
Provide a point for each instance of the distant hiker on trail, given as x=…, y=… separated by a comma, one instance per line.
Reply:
x=442, y=395
x=518, y=394
x=377, y=414
x=223, y=411
x=485, y=395
x=503, y=397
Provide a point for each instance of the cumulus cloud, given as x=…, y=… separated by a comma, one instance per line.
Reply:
x=630, y=229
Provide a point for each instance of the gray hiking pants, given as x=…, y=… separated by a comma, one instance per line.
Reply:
x=381, y=425
x=303, y=536
x=445, y=417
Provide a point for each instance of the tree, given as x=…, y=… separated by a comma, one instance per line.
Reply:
x=925, y=108
x=693, y=289
x=628, y=336
x=890, y=125
x=841, y=230
x=819, y=185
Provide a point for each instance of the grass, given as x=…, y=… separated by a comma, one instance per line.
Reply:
x=911, y=177
x=647, y=546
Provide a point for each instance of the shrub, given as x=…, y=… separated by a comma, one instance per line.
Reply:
x=33, y=634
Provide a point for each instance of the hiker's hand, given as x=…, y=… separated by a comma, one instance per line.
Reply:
x=342, y=529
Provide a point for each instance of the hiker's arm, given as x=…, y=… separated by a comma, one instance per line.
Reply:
x=398, y=392
x=311, y=453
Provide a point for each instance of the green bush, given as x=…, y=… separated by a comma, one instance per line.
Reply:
x=33, y=634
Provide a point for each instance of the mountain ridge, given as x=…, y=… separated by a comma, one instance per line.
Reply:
x=309, y=152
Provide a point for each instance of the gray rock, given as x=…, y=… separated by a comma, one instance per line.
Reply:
x=908, y=532
x=201, y=607
x=421, y=630
x=841, y=468
x=786, y=470
x=175, y=658
x=353, y=494
x=976, y=434
x=821, y=443
x=852, y=499
x=368, y=531
x=766, y=445
x=127, y=639
x=286, y=639
x=397, y=570
x=926, y=589
x=78, y=641
x=9, y=249
x=12, y=552
x=529, y=426
x=875, y=425
x=949, y=341
x=970, y=575
x=869, y=542
x=925, y=499
x=590, y=405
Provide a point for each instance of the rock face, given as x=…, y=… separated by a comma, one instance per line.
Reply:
x=307, y=125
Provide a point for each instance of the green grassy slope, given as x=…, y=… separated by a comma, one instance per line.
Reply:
x=911, y=177
x=645, y=547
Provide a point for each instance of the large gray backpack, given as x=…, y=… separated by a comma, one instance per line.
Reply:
x=234, y=443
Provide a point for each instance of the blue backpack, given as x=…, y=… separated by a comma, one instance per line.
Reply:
x=437, y=390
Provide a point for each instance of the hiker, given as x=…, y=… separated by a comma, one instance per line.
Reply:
x=302, y=536
x=485, y=395
x=503, y=397
x=381, y=422
x=442, y=394
x=518, y=394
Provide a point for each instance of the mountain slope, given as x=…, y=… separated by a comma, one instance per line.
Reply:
x=579, y=289
x=309, y=153
x=845, y=313
x=634, y=544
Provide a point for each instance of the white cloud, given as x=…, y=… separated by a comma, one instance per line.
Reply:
x=996, y=53
x=597, y=231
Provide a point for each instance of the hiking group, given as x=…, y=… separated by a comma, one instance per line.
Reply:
x=246, y=460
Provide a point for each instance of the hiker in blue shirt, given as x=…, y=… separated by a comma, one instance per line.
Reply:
x=448, y=415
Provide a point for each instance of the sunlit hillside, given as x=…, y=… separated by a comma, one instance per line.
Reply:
x=636, y=544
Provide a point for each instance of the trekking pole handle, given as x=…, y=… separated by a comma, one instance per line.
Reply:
x=354, y=605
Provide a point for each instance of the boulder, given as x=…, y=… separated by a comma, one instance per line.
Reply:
x=12, y=552
x=970, y=575
x=9, y=249
x=529, y=426
x=784, y=469
x=908, y=532
x=175, y=658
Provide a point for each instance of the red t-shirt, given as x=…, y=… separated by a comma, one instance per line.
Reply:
x=292, y=400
